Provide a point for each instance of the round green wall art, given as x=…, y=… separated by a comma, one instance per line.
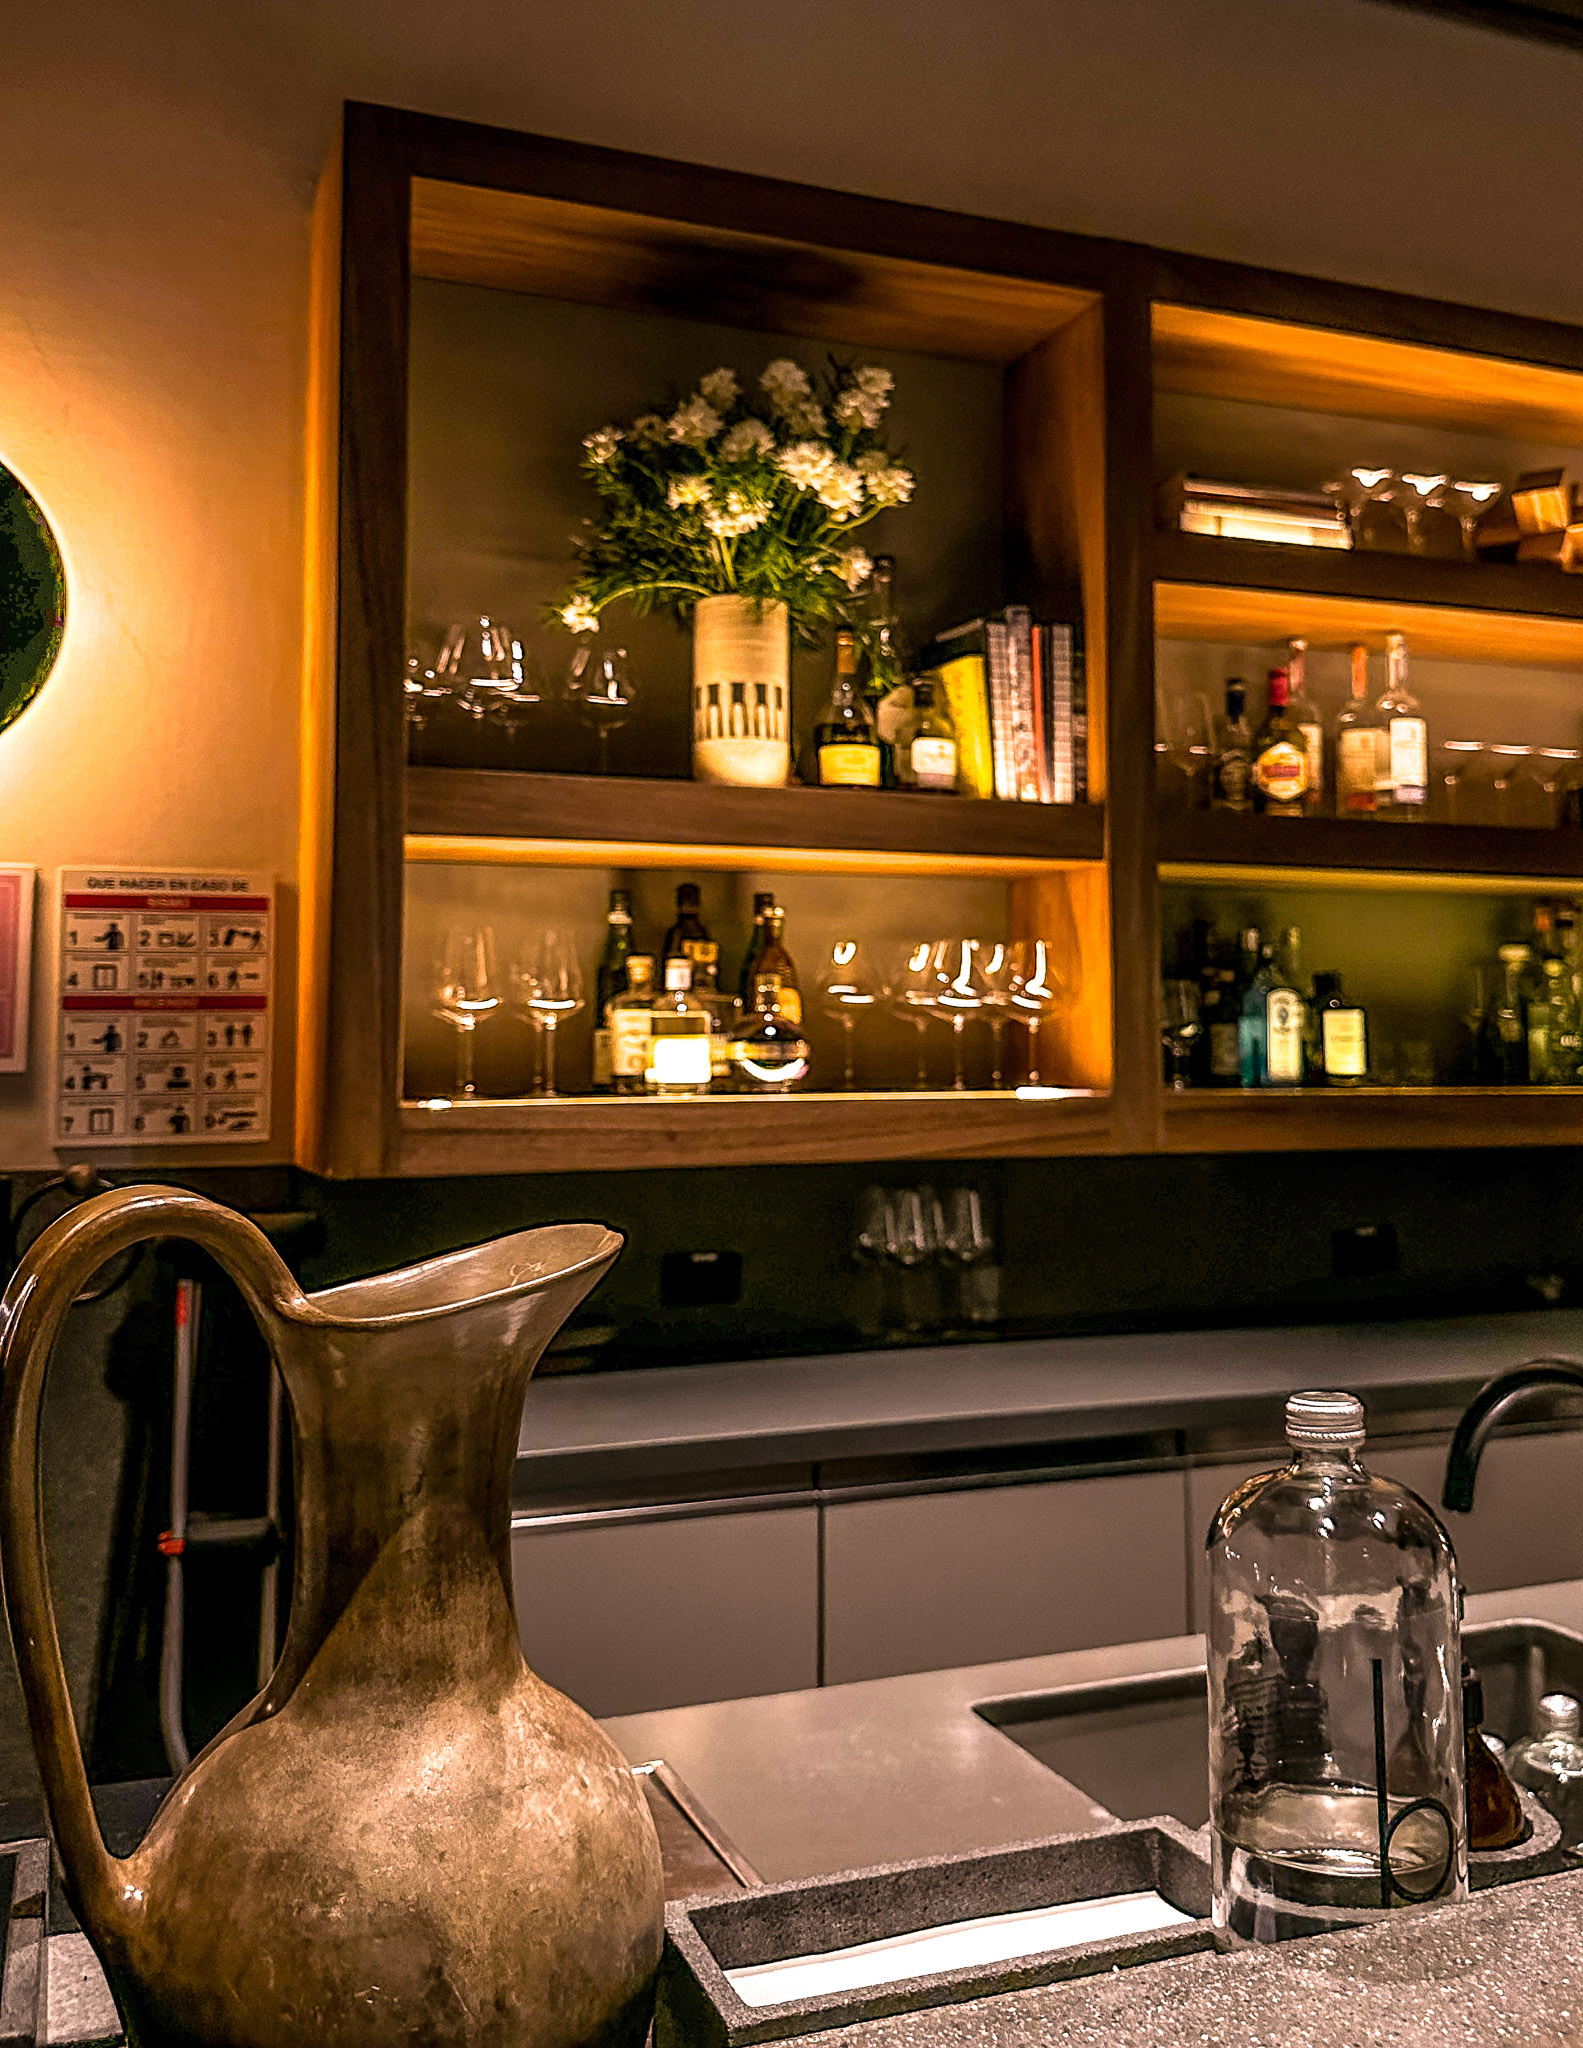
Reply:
x=32, y=597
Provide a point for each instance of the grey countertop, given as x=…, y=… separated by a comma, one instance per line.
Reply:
x=677, y=1420
x=896, y=1768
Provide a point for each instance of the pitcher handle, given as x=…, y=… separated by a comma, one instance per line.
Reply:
x=52, y=1273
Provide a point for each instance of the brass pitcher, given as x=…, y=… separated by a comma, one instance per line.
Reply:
x=407, y=1837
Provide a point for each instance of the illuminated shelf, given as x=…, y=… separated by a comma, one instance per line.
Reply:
x=496, y=815
x=1369, y=1119
x=1359, y=853
x=605, y=1133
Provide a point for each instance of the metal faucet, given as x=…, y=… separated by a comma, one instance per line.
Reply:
x=1486, y=1409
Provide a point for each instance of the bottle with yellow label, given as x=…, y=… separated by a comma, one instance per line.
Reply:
x=1281, y=774
x=846, y=745
x=775, y=965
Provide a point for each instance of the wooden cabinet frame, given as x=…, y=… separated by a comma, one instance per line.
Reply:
x=1083, y=329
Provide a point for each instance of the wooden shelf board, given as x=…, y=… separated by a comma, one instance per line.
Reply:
x=1369, y=1119
x=1322, y=369
x=1357, y=853
x=490, y=815
x=589, y=1133
x=1370, y=576
x=560, y=249
x=1270, y=616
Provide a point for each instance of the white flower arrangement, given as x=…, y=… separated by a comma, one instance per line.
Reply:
x=754, y=493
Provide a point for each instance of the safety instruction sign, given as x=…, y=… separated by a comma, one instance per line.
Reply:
x=165, y=1025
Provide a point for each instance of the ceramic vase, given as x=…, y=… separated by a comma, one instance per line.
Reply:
x=741, y=692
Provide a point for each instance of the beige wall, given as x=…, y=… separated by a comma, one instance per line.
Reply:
x=157, y=160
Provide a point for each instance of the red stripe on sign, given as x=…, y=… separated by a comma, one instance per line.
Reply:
x=154, y=902
x=146, y=1003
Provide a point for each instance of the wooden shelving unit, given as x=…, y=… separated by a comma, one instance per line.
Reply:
x=1081, y=334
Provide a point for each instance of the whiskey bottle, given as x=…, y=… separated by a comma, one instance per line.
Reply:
x=846, y=746
x=926, y=743
x=1343, y=1035
x=1271, y=1034
x=688, y=933
x=1406, y=793
x=1309, y=723
x=679, y=1060
x=1360, y=743
x=610, y=981
x=1231, y=773
x=768, y=1050
x=763, y=904
x=627, y=1020
x=776, y=964
x=1280, y=757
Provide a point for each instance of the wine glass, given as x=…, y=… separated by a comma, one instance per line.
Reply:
x=1418, y=490
x=912, y=985
x=1040, y=989
x=1181, y=748
x=1180, y=1024
x=959, y=993
x=548, y=982
x=1348, y=493
x=966, y=1244
x=466, y=991
x=480, y=663
x=849, y=987
x=998, y=976
x=599, y=683
x=1467, y=503
x=1378, y=504
x=422, y=693
x=911, y=1245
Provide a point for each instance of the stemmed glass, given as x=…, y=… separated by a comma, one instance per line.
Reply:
x=481, y=664
x=1040, y=990
x=913, y=984
x=998, y=976
x=1467, y=503
x=1181, y=749
x=1418, y=494
x=1180, y=1024
x=912, y=1243
x=959, y=992
x=965, y=1243
x=599, y=683
x=849, y=987
x=466, y=991
x=547, y=981
x=1377, y=488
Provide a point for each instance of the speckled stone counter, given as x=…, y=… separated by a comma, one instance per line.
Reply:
x=1507, y=1968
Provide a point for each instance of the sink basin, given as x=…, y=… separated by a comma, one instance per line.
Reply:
x=1140, y=1746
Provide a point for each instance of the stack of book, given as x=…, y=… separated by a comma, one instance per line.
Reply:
x=1018, y=696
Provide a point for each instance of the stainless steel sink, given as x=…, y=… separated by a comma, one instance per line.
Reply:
x=1140, y=1746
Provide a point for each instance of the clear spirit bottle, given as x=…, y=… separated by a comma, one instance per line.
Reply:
x=627, y=1018
x=1270, y=1033
x=1406, y=793
x=1361, y=742
x=679, y=1062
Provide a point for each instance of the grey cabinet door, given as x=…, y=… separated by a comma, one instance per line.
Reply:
x=630, y=1616
x=994, y=1572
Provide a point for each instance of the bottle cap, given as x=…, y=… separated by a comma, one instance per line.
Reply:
x=1324, y=1419
x=1559, y=1714
x=1513, y=955
x=640, y=967
x=1278, y=687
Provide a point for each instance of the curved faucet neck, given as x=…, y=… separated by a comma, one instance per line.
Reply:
x=1484, y=1413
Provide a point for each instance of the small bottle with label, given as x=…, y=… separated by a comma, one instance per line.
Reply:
x=1405, y=791
x=1270, y=1037
x=775, y=962
x=1280, y=757
x=627, y=1019
x=1309, y=723
x=1343, y=1034
x=679, y=1055
x=846, y=746
x=927, y=743
x=1360, y=742
x=1231, y=773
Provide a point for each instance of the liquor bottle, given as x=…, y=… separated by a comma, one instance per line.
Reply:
x=688, y=933
x=723, y=1009
x=1555, y=1031
x=1289, y=972
x=846, y=747
x=1504, y=1040
x=1343, y=1034
x=1223, y=1027
x=610, y=981
x=763, y=904
x=1280, y=757
x=777, y=964
x=679, y=1062
x=1309, y=723
x=1270, y=1038
x=926, y=743
x=1231, y=773
x=628, y=1021
x=887, y=664
x=1407, y=737
x=768, y=1050
x=1360, y=742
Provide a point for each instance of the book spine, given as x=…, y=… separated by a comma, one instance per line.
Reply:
x=1079, y=721
x=1024, y=752
x=1064, y=749
x=1041, y=712
x=997, y=648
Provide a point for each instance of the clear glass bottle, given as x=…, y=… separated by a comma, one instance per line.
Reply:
x=1404, y=792
x=926, y=743
x=679, y=1062
x=1271, y=1028
x=768, y=1051
x=1550, y=1763
x=1360, y=742
x=628, y=1017
x=1309, y=723
x=1231, y=771
x=1335, y=1692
